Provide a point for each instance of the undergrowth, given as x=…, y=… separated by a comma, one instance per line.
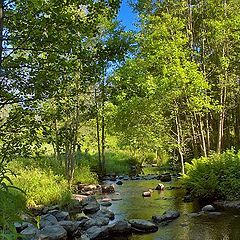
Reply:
x=214, y=177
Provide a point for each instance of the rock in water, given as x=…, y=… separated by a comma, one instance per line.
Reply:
x=146, y=194
x=160, y=186
x=140, y=225
x=167, y=216
x=208, y=208
x=119, y=227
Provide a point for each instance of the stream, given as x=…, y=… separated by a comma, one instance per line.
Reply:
x=205, y=227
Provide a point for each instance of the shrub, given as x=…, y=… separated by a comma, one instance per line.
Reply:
x=12, y=204
x=41, y=186
x=217, y=176
x=83, y=174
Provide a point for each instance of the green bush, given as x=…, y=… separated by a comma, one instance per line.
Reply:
x=83, y=174
x=42, y=186
x=217, y=176
x=12, y=204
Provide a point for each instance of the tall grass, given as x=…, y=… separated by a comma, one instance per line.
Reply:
x=43, y=180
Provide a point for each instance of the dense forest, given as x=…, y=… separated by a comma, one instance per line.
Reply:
x=81, y=97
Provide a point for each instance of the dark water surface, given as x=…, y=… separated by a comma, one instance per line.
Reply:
x=207, y=227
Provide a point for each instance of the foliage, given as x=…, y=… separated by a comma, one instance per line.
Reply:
x=214, y=177
x=12, y=204
x=41, y=186
x=84, y=174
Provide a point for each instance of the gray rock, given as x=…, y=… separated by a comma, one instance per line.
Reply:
x=141, y=225
x=60, y=215
x=169, y=215
x=47, y=220
x=119, y=227
x=90, y=205
x=21, y=226
x=53, y=232
x=30, y=232
x=208, y=208
x=69, y=226
x=97, y=232
x=47, y=209
x=99, y=222
x=103, y=213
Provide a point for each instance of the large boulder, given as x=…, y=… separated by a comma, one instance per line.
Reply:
x=167, y=216
x=95, y=232
x=60, y=215
x=99, y=222
x=208, y=208
x=70, y=226
x=54, y=232
x=103, y=213
x=47, y=220
x=119, y=227
x=140, y=225
x=90, y=205
x=30, y=232
x=21, y=226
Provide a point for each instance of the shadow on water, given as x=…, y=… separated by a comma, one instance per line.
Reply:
x=205, y=227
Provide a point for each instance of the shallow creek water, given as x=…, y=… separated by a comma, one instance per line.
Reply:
x=207, y=227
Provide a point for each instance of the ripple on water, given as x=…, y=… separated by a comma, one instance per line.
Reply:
x=205, y=227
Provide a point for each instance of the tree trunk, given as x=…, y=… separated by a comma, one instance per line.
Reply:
x=179, y=141
x=208, y=134
x=98, y=133
x=203, y=144
x=1, y=33
x=103, y=129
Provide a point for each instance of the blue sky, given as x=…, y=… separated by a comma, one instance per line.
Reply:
x=126, y=16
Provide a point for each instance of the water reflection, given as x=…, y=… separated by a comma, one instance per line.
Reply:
x=206, y=227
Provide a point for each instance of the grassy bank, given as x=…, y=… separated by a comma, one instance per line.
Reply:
x=43, y=180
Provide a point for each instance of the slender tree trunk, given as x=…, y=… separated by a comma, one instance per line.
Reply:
x=103, y=128
x=204, y=149
x=98, y=133
x=221, y=119
x=223, y=91
x=57, y=146
x=190, y=27
x=1, y=33
x=208, y=134
x=179, y=141
x=194, y=140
